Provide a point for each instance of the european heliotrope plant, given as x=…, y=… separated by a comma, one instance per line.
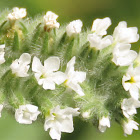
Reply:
x=55, y=73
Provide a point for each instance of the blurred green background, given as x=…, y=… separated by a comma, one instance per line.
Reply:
x=68, y=10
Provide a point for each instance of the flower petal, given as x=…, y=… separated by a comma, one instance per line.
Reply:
x=123, y=34
x=74, y=27
x=134, y=92
x=71, y=111
x=100, y=26
x=79, y=76
x=94, y=40
x=67, y=124
x=2, y=59
x=55, y=134
x=76, y=88
x=36, y=65
x=70, y=65
x=25, y=58
x=31, y=108
x=59, y=77
x=1, y=108
x=47, y=84
x=52, y=64
x=2, y=46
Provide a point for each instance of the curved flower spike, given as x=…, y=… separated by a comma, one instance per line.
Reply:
x=21, y=66
x=46, y=75
x=25, y=114
x=122, y=34
x=74, y=27
x=101, y=25
x=50, y=20
x=17, y=13
x=60, y=120
x=74, y=77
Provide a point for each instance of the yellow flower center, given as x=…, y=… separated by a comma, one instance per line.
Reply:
x=43, y=76
x=132, y=80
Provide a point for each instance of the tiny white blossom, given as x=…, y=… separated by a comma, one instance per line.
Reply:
x=48, y=75
x=129, y=126
x=129, y=107
x=98, y=42
x=60, y=120
x=2, y=59
x=25, y=114
x=50, y=20
x=104, y=122
x=1, y=107
x=122, y=34
x=21, y=66
x=74, y=27
x=74, y=77
x=17, y=13
x=122, y=55
x=131, y=81
x=101, y=25
x=86, y=114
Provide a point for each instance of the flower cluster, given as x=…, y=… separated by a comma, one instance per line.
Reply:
x=99, y=28
x=48, y=75
x=68, y=65
x=123, y=36
x=60, y=120
x=122, y=56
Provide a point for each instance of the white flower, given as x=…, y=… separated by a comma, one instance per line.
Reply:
x=50, y=20
x=101, y=25
x=122, y=34
x=86, y=114
x=122, y=55
x=129, y=107
x=17, y=13
x=74, y=77
x=25, y=114
x=21, y=66
x=104, y=123
x=60, y=120
x=1, y=107
x=131, y=81
x=46, y=75
x=2, y=59
x=129, y=126
x=98, y=42
x=74, y=27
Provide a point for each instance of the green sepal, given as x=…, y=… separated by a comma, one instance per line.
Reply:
x=15, y=46
x=45, y=50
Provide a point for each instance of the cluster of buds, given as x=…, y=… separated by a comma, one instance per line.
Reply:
x=87, y=74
